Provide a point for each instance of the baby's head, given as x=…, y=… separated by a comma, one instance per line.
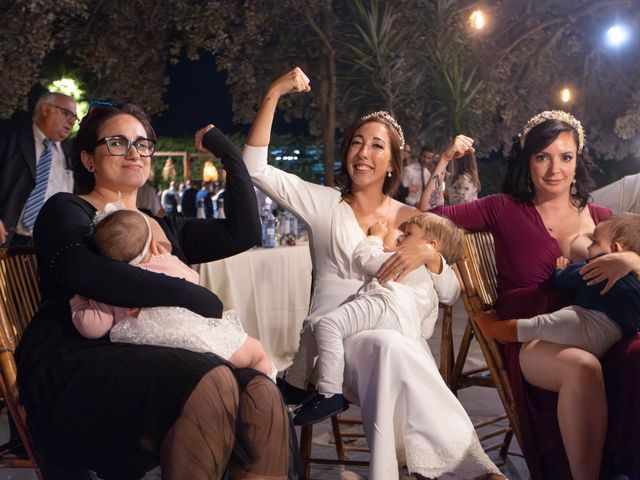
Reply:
x=615, y=234
x=123, y=235
x=445, y=236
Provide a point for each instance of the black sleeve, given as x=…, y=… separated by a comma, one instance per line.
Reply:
x=205, y=240
x=68, y=266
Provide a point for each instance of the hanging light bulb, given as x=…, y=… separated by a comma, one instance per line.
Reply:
x=209, y=172
x=477, y=20
x=565, y=95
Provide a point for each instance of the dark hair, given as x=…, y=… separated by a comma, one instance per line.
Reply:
x=467, y=164
x=517, y=181
x=121, y=235
x=390, y=183
x=427, y=148
x=87, y=138
x=624, y=229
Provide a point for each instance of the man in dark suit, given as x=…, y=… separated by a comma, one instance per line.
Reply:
x=24, y=146
x=188, y=200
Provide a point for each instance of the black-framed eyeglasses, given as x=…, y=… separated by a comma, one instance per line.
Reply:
x=119, y=145
x=68, y=114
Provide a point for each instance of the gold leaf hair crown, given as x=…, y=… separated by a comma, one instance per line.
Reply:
x=554, y=115
x=385, y=117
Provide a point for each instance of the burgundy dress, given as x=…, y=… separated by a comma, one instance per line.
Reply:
x=526, y=258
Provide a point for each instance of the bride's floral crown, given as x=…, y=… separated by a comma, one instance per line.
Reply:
x=554, y=115
x=385, y=117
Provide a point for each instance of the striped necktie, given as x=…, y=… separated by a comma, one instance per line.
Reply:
x=36, y=198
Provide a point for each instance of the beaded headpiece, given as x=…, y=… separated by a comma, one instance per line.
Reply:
x=554, y=115
x=385, y=117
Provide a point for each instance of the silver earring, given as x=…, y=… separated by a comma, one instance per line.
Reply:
x=574, y=189
x=389, y=174
x=91, y=168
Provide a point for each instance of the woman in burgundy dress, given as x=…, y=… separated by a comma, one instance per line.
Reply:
x=543, y=213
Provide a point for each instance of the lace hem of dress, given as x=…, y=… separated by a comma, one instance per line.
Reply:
x=180, y=328
x=464, y=457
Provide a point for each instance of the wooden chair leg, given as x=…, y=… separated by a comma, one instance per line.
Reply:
x=463, y=351
x=337, y=436
x=446, y=346
x=306, y=440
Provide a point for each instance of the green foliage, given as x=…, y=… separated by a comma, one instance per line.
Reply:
x=417, y=58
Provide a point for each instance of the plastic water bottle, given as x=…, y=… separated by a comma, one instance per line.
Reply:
x=221, y=208
x=293, y=224
x=268, y=226
x=200, y=211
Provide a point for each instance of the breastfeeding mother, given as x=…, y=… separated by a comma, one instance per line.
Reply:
x=543, y=213
x=121, y=409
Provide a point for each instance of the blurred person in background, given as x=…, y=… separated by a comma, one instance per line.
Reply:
x=35, y=164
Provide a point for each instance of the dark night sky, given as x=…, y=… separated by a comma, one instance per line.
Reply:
x=196, y=96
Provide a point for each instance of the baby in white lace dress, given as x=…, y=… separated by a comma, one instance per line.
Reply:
x=125, y=235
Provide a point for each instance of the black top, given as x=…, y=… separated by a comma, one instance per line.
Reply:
x=107, y=406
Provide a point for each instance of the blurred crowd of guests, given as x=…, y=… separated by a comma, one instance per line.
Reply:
x=462, y=183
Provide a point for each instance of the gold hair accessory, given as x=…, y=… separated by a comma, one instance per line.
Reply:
x=385, y=117
x=554, y=115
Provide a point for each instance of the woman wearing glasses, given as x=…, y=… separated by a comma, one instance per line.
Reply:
x=122, y=409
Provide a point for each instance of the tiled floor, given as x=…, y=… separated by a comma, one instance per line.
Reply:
x=479, y=402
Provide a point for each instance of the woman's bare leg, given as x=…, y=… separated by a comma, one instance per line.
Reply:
x=251, y=354
x=199, y=444
x=264, y=418
x=582, y=405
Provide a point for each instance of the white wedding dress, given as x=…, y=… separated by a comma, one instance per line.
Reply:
x=408, y=412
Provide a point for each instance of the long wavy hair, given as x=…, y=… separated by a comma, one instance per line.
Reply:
x=517, y=181
x=390, y=183
x=87, y=138
x=468, y=165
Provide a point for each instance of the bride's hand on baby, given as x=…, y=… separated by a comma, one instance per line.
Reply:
x=406, y=259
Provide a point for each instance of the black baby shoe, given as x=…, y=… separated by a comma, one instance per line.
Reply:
x=292, y=395
x=319, y=407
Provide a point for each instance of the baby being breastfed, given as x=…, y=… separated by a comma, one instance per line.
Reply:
x=578, y=248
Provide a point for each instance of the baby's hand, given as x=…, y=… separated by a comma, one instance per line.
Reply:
x=133, y=312
x=378, y=229
x=562, y=263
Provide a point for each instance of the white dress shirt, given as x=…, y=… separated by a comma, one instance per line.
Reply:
x=60, y=178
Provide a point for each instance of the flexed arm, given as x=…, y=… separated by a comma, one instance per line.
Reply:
x=294, y=81
x=308, y=201
x=433, y=194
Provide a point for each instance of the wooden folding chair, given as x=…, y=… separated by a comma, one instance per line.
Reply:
x=19, y=297
x=342, y=438
x=478, y=279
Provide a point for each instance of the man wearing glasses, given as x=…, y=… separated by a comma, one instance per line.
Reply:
x=35, y=163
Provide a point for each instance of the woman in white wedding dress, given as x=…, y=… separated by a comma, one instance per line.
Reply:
x=408, y=412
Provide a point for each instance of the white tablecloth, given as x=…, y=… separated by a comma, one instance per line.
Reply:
x=270, y=289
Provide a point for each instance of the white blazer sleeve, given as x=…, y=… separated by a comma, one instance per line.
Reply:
x=305, y=199
x=446, y=284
